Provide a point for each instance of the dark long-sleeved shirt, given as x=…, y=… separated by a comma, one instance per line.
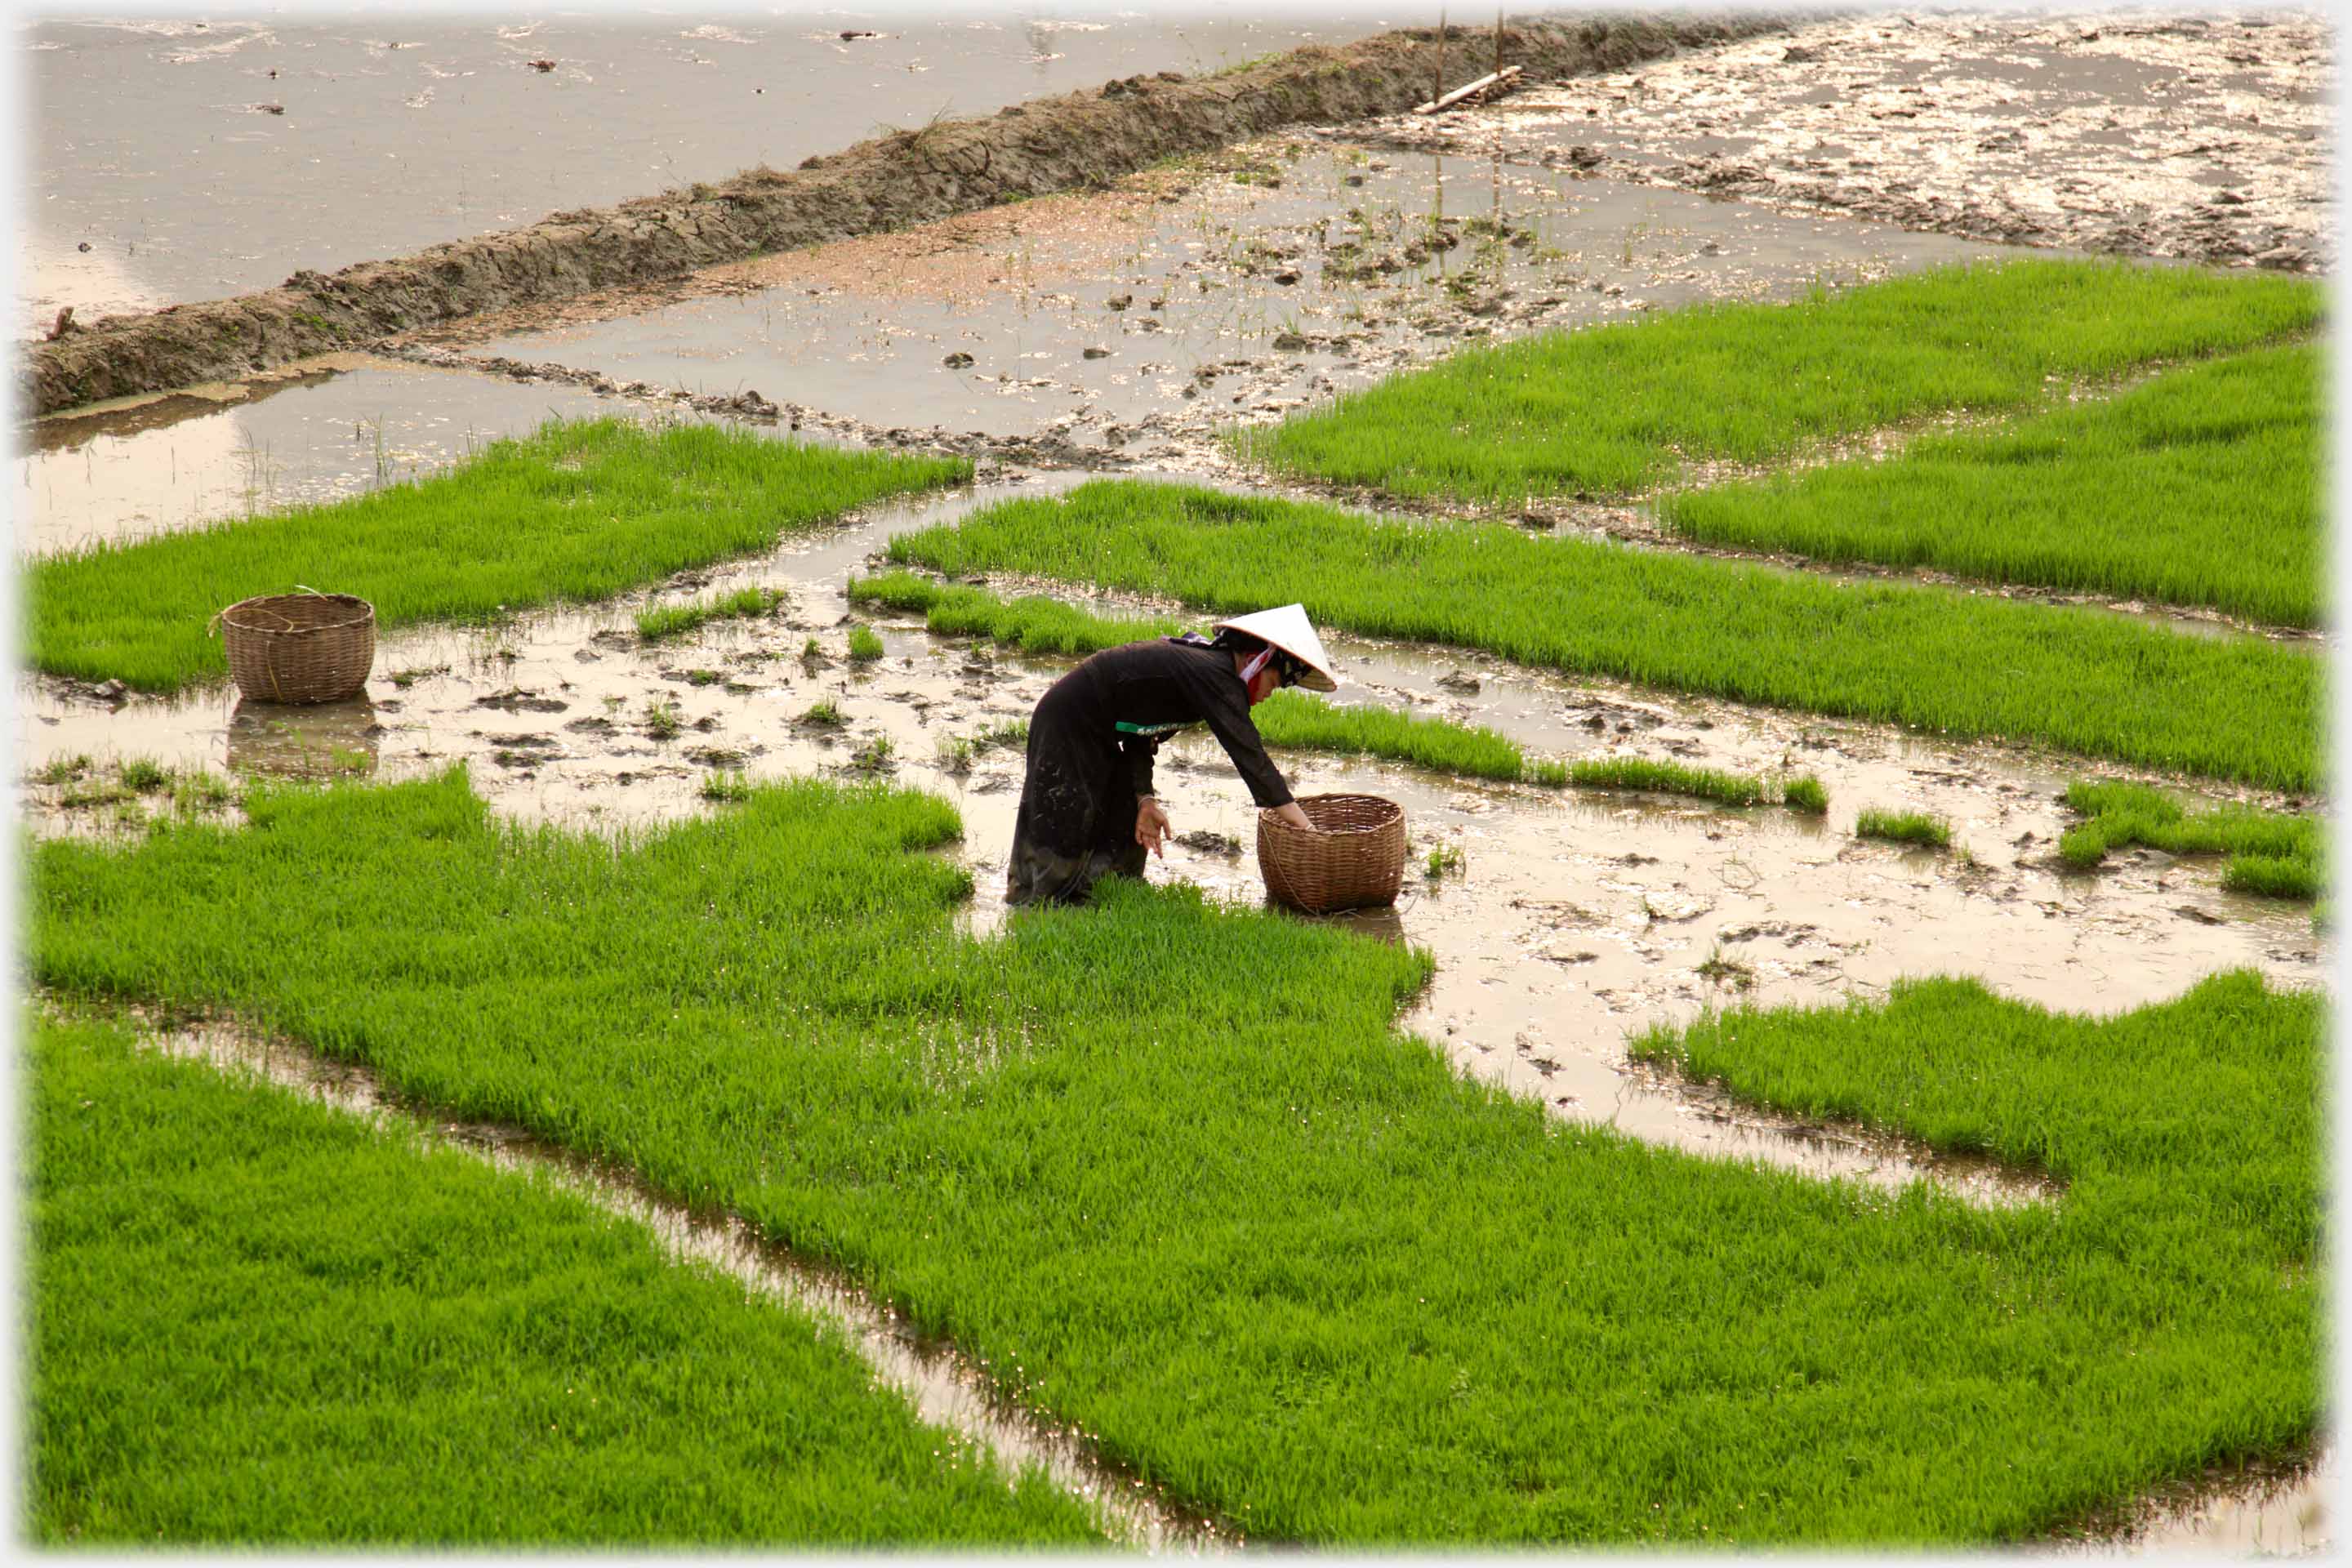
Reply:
x=1137, y=694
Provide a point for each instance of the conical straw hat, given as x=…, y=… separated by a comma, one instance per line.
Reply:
x=1288, y=629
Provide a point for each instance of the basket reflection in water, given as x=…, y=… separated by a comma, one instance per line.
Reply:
x=1353, y=859
x=314, y=741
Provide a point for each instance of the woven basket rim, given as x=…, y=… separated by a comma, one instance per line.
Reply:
x=1390, y=812
x=365, y=612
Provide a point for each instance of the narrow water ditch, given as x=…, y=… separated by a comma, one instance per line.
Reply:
x=944, y=1386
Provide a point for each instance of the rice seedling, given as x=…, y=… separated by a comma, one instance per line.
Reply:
x=62, y=770
x=1904, y=827
x=1735, y=973
x=1666, y=778
x=1011, y=733
x=1034, y=624
x=865, y=645
x=1805, y=792
x=824, y=713
x=2201, y=487
x=405, y=678
x=663, y=622
x=874, y=756
x=199, y=790
x=257, y=1321
x=98, y=792
x=578, y=512
x=663, y=722
x=810, y=650
x=1620, y=407
x=954, y=754
x=1169, y=1169
x=1550, y=774
x=726, y=787
x=2269, y=852
x=1962, y=665
x=143, y=775
x=1443, y=860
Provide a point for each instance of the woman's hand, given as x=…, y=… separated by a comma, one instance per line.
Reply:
x=1151, y=826
x=1289, y=812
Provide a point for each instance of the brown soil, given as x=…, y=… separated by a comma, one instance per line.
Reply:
x=1072, y=142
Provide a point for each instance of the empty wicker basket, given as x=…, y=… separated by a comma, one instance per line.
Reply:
x=1354, y=858
x=299, y=647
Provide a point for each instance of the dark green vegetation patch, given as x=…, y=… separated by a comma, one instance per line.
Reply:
x=578, y=512
x=1966, y=666
x=2269, y=852
x=1621, y=408
x=1173, y=1173
x=256, y=1321
x=2201, y=487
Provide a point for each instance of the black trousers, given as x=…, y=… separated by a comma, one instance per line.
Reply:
x=1076, y=822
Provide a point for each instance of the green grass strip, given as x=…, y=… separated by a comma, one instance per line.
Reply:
x=258, y=1322
x=1667, y=778
x=1170, y=1170
x=1620, y=407
x=1032, y=623
x=1962, y=665
x=664, y=622
x=1904, y=827
x=578, y=512
x=2273, y=853
x=2201, y=487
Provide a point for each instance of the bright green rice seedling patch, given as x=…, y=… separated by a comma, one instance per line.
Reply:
x=1666, y=778
x=1904, y=827
x=1033, y=624
x=824, y=713
x=1010, y=733
x=1806, y=793
x=726, y=787
x=1620, y=407
x=145, y=775
x=1962, y=665
x=578, y=512
x=62, y=770
x=255, y=1322
x=664, y=622
x=865, y=645
x=2269, y=852
x=2201, y=487
x=1170, y=1170
x=662, y=720
x=1443, y=861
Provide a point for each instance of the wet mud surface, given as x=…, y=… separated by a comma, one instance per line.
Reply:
x=906, y=176
x=945, y=1387
x=2144, y=132
x=1578, y=919
x=385, y=144
x=1128, y=327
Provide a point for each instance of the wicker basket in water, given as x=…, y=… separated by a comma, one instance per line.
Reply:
x=299, y=647
x=1354, y=858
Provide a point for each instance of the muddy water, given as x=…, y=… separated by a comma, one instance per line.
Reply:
x=1579, y=919
x=945, y=1388
x=399, y=132
x=2142, y=131
x=318, y=432
x=1182, y=303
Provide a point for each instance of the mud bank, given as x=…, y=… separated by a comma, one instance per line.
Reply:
x=2138, y=133
x=908, y=177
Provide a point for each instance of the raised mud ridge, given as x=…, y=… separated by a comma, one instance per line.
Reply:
x=892, y=182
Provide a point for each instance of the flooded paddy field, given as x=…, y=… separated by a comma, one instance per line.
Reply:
x=1126, y=330
x=393, y=136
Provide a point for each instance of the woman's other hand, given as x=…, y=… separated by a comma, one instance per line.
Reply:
x=1151, y=826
